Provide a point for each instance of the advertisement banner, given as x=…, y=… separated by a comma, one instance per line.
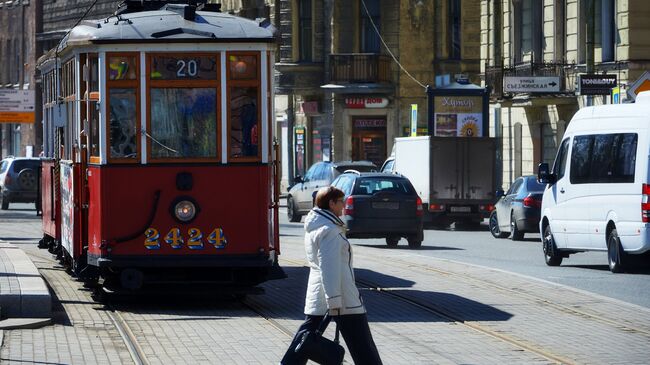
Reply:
x=67, y=207
x=458, y=116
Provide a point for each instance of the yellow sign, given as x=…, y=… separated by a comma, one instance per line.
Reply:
x=17, y=117
x=414, y=120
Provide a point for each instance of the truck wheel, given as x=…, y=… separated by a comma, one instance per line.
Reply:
x=615, y=254
x=515, y=233
x=552, y=255
x=494, y=227
x=392, y=241
x=292, y=213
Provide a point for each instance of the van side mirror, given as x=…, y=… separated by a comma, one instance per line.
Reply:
x=544, y=175
x=297, y=179
x=500, y=193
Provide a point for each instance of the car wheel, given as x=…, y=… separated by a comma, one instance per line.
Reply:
x=615, y=253
x=552, y=255
x=392, y=241
x=414, y=242
x=515, y=233
x=292, y=214
x=5, y=202
x=494, y=227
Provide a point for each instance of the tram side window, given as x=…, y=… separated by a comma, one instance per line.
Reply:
x=244, y=114
x=123, y=106
x=92, y=109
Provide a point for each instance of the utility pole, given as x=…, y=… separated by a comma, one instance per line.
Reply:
x=589, y=41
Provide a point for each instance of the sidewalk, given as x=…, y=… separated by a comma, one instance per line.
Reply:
x=23, y=293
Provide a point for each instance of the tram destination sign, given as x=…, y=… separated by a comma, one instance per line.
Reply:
x=596, y=84
x=531, y=84
x=17, y=106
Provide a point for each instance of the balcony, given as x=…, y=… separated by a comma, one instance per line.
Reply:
x=494, y=76
x=358, y=68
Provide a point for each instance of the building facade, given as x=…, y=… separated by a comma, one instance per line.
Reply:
x=348, y=98
x=534, y=54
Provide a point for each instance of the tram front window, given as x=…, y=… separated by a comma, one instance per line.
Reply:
x=123, y=119
x=244, y=126
x=183, y=123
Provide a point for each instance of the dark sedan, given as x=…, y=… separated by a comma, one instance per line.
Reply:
x=379, y=205
x=517, y=212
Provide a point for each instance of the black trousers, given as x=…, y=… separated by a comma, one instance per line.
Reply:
x=355, y=331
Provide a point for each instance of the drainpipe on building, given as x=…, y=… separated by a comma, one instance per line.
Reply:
x=589, y=56
x=291, y=115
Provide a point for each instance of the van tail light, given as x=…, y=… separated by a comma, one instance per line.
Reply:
x=436, y=207
x=529, y=201
x=349, y=206
x=419, y=210
x=486, y=208
x=645, y=203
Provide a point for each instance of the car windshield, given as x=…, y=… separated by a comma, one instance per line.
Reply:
x=533, y=186
x=373, y=185
x=361, y=168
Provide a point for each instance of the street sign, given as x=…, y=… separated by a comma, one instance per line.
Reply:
x=596, y=84
x=641, y=84
x=414, y=120
x=531, y=84
x=616, y=95
x=17, y=106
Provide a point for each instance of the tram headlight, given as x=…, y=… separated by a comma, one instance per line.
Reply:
x=185, y=210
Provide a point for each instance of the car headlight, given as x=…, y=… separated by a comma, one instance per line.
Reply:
x=185, y=210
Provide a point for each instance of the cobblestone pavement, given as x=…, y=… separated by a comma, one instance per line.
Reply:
x=428, y=311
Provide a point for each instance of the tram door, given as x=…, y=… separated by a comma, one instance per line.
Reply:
x=369, y=139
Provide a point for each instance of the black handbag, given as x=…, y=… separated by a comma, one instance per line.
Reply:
x=319, y=349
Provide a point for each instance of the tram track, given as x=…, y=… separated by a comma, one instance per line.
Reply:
x=451, y=317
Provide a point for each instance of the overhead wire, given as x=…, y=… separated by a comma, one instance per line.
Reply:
x=388, y=48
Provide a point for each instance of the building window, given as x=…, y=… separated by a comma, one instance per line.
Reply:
x=454, y=29
x=305, y=30
x=528, y=31
x=604, y=23
x=370, y=42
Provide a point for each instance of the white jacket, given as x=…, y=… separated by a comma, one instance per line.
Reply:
x=331, y=277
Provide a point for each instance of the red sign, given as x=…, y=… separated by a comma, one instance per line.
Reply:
x=366, y=102
x=310, y=107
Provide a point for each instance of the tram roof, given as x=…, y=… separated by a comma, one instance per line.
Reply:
x=171, y=23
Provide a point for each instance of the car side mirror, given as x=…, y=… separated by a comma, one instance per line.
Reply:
x=544, y=175
x=298, y=179
x=500, y=193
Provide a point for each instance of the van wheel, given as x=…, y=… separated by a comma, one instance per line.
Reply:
x=552, y=255
x=494, y=227
x=515, y=233
x=292, y=213
x=615, y=254
x=392, y=241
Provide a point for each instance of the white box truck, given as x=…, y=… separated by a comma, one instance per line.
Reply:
x=454, y=176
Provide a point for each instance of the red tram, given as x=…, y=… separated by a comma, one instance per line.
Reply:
x=159, y=149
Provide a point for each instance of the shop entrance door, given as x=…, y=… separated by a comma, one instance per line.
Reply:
x=369, y=139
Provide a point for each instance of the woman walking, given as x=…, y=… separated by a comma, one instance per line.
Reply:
x=331, y=288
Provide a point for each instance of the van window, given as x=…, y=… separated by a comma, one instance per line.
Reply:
x=560, y=161
x=603, y=158
x=581, y=159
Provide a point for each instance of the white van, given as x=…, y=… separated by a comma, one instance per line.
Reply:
x=597, y=197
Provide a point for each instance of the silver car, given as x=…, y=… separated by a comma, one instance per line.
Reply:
x=18, y=180
x=301, y=195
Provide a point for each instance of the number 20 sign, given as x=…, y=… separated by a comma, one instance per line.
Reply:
x=183, y=68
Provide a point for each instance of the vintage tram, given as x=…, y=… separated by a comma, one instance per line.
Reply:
x=160, y=163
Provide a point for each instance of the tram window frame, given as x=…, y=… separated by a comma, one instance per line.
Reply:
x=68, y=94
x=123, y=85
x=234, y=83
x=185, y=84
x=92, y=100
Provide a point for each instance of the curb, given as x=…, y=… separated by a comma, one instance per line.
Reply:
x=22, y=323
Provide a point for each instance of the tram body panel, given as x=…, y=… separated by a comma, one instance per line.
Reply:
x=50, y=203
x=71, y=209
x=226, y=222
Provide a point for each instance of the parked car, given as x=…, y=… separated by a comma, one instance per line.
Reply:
x=598, y=194
x=518, y=210
x=301, y=195
x=388, y=165
x=18, y=180
x=379, y=205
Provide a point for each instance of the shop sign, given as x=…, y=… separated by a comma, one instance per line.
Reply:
x=366, y=103
x=370, y=123
x=458, y=116
x=17, y=106
x=310, y=107
x=641, y=84
x=596, y=84
x=531, y=84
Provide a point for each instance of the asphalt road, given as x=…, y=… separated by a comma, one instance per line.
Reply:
x=586, y=271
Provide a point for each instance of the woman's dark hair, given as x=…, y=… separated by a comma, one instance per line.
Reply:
x=327, y=194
